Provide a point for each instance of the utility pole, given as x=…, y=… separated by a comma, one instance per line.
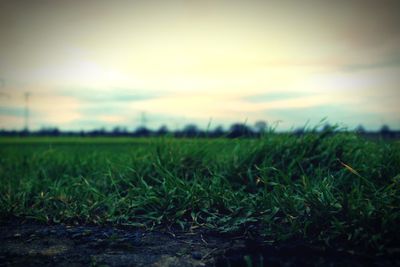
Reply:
x=26, y=113
x=143, y=119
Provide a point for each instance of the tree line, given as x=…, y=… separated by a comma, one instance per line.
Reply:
x=192, y=130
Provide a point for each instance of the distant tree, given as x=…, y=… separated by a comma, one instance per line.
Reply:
x=163, y=130
x=97, y=132
x=217, y=132
x=386, y=132
x=299, y=131
x=260, y=127
x=124, y=130
x=25, y=132
x=55, y=131
x=385, y=129
x=190, y=130
x=117, y=131
x=360, y=129
x=142, y=132
x=238, y=130
x=101, y=132
x=328, y=128
x=49, y=131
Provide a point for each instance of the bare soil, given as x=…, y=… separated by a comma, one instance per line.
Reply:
x=27, y=243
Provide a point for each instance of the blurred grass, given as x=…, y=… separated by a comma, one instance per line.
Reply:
x=332, y=188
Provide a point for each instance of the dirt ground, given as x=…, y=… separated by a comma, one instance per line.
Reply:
x=32, y=244
x=26, y=243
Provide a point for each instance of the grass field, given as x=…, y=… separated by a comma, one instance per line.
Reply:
x=339, y=190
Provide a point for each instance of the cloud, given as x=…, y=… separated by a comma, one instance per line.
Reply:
x=12, y=111
x=274, y=96
x=390, y=63
x=110, y=95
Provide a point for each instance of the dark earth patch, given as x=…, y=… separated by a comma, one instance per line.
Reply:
x=30, y=244
x=26, y=243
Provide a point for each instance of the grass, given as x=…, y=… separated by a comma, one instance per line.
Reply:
x=338, y=189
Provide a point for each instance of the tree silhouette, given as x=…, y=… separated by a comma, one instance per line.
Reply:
x=386, y=132
x=239, y=130
x=190, y=130
x=360, y=129
x=217, y=132
x=163, y=130
x=142, y=132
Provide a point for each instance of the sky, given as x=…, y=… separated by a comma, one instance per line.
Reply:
x=90, y=64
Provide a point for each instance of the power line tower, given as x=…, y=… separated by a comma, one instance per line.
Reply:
x=26, y=112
